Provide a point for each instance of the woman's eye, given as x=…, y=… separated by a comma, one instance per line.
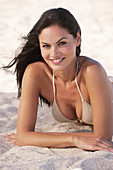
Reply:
x=46, y=46
x=62, y=43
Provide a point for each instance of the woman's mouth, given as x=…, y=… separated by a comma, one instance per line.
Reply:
x=57, y=61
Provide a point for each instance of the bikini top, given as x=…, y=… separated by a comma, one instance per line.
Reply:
x=86, y=108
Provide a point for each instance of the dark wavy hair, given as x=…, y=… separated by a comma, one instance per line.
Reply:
x=30, y=51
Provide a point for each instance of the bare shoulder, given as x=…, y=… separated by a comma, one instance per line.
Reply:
x=36, y=76
x=37, y=68
x=94, y=77
x=91, y=69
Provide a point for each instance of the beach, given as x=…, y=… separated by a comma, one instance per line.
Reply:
x=17, y=18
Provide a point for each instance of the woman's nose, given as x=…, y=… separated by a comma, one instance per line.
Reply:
x=54, y=52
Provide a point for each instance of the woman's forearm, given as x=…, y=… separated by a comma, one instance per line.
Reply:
x=50, y=139
x=45, y=139
x=86, y=141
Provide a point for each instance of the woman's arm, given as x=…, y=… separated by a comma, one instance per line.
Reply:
x=86, y=141
x=27, y=114
x=100, y=94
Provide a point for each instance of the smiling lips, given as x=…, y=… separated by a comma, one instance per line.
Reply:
x=57, y=61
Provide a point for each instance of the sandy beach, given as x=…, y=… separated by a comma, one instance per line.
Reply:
x=17, y=17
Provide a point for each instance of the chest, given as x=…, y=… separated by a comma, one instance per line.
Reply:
x=69, y=100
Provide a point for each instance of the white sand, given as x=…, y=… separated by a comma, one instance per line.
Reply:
x=16, y=19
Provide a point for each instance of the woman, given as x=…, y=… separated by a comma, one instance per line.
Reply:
x=50, y=67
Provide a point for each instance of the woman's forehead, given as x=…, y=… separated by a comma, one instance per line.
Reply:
x=53, y=31
x=54, y=28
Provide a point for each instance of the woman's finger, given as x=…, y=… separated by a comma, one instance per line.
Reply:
x=103, y=144
x=11, y=138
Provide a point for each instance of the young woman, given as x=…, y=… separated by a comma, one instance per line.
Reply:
x=50, y=67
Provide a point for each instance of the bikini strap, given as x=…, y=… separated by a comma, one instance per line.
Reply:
x=78, y=89
x=75, y=82
x=77, y=67
x=53, y=84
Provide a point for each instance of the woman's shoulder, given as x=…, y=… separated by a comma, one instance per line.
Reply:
x=90, y=66
x=38, y=68
x=36, y=76
x=37, y=73
x=87, y=61
x=91, y=69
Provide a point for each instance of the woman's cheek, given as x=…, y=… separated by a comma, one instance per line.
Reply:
x=67, y=51
x=71, y=50
x=44, y=54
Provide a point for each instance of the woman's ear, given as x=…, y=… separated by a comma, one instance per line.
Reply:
x=78, y=39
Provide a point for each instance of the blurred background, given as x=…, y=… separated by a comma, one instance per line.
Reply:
x=17, y=17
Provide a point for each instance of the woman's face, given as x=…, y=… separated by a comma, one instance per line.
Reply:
x=58, y=47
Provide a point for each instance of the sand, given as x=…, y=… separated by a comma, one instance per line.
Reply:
x=16, y=19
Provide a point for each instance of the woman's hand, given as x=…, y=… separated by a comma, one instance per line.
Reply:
x=93, y=143
x=11, y=138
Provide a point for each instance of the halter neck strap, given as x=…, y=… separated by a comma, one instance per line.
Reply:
x=77, y=69
x=54, y=85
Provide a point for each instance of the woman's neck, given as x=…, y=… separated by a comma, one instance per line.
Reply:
x=68, y=74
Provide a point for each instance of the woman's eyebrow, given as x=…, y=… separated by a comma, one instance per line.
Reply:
x=61, y=39
x=56, y=42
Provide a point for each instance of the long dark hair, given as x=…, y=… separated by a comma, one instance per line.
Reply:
x=30, y=51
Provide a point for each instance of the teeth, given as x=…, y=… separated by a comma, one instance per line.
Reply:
x=57, y=60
